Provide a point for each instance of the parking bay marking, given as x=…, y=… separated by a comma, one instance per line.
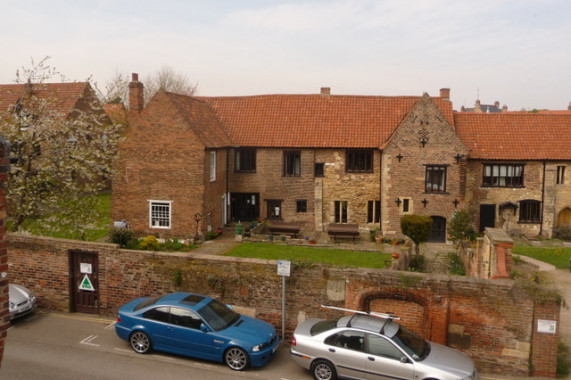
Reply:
x=88, y=341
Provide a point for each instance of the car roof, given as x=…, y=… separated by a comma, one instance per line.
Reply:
x=369, y=323
x=189, y=300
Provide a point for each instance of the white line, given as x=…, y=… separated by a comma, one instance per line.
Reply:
x=110, y=326
x=89, y=339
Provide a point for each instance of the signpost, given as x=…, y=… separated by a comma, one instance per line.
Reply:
x=284, y=269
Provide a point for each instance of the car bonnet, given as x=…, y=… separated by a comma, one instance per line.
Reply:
x=18, y=293
x=250, y=330
x=449, y=360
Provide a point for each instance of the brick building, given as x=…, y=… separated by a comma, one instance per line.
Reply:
x=192, y=164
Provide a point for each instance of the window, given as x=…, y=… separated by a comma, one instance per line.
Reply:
x=245, y=160
x=185, y=318
x=359, y=161
x=503, y=175
x=340, y=211
x=160, y=314
x=405, y=205
x=530, y=211
x=301, y=205
x=560, y=175
x=319, y=169
x=380, y=346
x=212, y=166
x=292, y=164
x=274, y=208
x=435, y=179
x=373, y=211
x=351, y=340
x=160, y=214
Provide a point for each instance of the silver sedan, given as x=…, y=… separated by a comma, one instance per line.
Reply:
x=368, y=347
x=22, y=301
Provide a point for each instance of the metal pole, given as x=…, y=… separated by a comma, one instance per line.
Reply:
x=283, y=307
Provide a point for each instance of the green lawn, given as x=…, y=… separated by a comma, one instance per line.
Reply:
x=311, y=254
x=557, y=256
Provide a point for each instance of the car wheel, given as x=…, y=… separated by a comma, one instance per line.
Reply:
x=236, y=358
x=323, y=370
x=140, y=342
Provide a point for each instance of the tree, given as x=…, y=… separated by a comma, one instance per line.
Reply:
x=117, y=89
x=460, y=227
x=417, y=228
x=59, y=157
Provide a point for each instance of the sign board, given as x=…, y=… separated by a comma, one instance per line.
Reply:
x=284, y=267
x=546, y=326
x=86, y=284
x=85, y=268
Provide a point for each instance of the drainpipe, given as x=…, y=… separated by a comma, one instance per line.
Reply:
x=542, y=200
x=381, y=190
x=227, y=197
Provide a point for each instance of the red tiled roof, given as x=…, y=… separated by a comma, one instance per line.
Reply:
x=314, y=121
x=513, y=136
x=62, y=96
x=116, y=112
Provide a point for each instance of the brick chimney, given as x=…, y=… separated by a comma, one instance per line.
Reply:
x=504, y=108
x=445, y=93
x=569, y=107
x=136, y=99
x=325, y=91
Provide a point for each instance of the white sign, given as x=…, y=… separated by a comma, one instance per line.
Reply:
x=546, y=326
x=86, y=284
x=284, y=267
x=85, y=268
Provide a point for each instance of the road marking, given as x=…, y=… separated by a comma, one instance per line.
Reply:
x=77, y=317
x=90, y=339
x=110, y=326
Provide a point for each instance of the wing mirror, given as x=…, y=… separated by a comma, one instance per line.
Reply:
x=204, y=328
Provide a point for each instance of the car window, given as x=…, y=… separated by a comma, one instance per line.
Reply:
x=379, y=346
x=323, y=326
x=352, y=340
x=185, y=318
x=415, y=346
x=160, y=314
x=218, y=315
x=147, y=302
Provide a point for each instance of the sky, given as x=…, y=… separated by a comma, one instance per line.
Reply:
x=517, y=52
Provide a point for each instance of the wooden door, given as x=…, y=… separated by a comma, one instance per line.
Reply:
x=84, y=281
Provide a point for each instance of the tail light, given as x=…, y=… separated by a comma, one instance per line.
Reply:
x=293, y=341
x=118, y=319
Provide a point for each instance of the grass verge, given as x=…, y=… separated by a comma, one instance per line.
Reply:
x=557, y=256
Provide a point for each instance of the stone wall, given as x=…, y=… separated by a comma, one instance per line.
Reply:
x=491, y=257
x=491, y=321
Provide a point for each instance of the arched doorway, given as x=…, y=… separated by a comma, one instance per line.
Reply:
x=438, y=231
x=564, y=218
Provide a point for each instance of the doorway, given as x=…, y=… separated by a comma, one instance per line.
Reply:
x=84, y=281
x=438, y=230
x=245, y=206
x=487, y=217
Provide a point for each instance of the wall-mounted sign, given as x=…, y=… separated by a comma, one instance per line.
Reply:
x=86, y=284
x=284, y=267
x=546, y=326
x=85, y=268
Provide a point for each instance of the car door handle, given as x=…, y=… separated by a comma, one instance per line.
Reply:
x=371, y=358
x=331, y=350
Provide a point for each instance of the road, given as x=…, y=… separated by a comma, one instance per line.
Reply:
x=80, y=347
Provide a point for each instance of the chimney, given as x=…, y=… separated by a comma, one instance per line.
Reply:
x=136, y=99
x=569, y=107
x=477, y=107
x=445, y=93
x=504, y=108
x=497, y=104
x=325, y=91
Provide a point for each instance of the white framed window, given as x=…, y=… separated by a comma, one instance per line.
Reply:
x=405, y=206
x=160, y=214
x=212, y=166
x=340, y=211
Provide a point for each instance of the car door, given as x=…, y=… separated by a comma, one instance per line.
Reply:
x=346, y=349
x=185, y=336
x=156, y=324
x=385, y=360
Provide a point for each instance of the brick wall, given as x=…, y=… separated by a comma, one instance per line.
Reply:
x=492, y=321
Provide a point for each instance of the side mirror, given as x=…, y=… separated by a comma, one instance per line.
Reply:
x=404, y=360
x=204, y=328
x=229, y=306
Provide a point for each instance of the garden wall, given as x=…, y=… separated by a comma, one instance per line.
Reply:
x=491, y=321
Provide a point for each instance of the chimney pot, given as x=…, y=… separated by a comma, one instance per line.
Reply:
x=445, y=93
x=134, y=77
x=504, y=108
x=569, y=107
x=325, y=91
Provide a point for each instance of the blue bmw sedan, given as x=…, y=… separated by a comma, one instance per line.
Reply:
x=197, y=326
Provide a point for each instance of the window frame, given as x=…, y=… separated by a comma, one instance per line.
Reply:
x=319, y=169
x=340, y=211
x=271, y=205
x=374, y=211
x=213, y=166
x=245, y=160
x=301, y=205
x=359, y=161
x=560, y=175
x=153, y=214
x=292, y=163
x=530, y=211
x=435, y=176
x=494, y=177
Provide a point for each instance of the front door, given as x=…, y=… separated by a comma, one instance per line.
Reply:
x=84, y=281
x=245, y=206
x=487, y=217
x=438, y=231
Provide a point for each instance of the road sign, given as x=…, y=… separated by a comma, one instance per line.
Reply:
x=284, y=267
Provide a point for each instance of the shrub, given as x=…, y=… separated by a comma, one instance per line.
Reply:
x=149, y=243
x=456, y=265
x=417, y=228
x=173, y=245
x=563, y=233
x=121, y=236
x=563, y=362
x=460, y=227
x=417, y=264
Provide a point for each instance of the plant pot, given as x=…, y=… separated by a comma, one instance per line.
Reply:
x=395, y=255
x=379, y=239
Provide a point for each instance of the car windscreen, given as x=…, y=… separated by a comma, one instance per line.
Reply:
x=217, y=315
x=415, y=346
x=147, y=302
x=322, y=326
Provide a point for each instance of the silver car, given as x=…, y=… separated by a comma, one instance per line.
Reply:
x=22, y=301
x=363, y=346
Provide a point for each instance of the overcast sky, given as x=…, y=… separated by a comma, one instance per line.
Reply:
x=517, y=52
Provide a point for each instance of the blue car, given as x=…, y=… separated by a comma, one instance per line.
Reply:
x=197, y=326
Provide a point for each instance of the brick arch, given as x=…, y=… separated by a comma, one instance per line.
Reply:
x=423, y=313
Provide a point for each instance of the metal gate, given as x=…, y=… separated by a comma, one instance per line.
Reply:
x=84, y=281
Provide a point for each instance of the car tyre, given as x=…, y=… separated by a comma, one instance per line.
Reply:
x=323, y=370
x=140, y=342
x=236, y=358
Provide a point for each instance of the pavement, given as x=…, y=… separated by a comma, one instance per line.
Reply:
x=558, y=278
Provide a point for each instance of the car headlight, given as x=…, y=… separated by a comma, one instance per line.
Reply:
x=12, y=306
x=259, y=347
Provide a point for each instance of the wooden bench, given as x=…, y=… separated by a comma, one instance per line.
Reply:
x=343, y=230
x=284, y=228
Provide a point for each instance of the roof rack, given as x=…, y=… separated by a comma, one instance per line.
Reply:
x=371, y=313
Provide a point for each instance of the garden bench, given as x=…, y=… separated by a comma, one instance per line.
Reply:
x=343, y=230
x=277, y=227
